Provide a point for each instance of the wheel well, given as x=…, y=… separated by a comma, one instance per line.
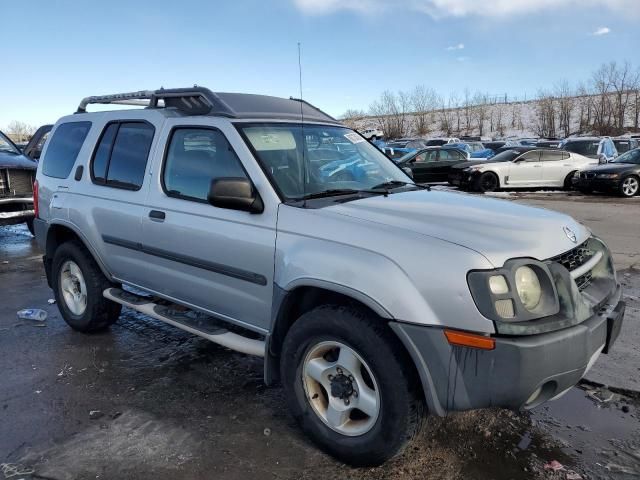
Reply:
x=300, y=301
x=56, y=236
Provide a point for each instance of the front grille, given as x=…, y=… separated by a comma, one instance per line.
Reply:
x=16, y=182
x=587, y=175
x=576, y=258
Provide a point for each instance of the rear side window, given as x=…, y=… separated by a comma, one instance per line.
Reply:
x=195, y=157
x=551, y=156
x=120, y=159
x=63, y=149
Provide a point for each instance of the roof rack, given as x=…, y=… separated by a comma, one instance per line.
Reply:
x=202, y=101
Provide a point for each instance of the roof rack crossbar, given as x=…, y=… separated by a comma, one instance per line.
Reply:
x=196, y=100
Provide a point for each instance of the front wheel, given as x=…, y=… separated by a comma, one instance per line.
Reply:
x=568, y=185
x=350, y=386
x=629, y=186
x=487, y=182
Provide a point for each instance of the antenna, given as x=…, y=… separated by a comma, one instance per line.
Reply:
x=304, y=140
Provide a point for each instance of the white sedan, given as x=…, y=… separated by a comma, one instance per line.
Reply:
x=524, y=168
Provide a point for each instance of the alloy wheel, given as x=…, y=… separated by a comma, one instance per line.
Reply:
x=73, y=287
x=341, y=388
x=630, y=186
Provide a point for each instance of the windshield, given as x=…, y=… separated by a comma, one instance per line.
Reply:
x=583, y=147
x=506, y=156
x=320, y=159
x=6, y=145
x=632, y=156
x=622, y=145
x=436, y=142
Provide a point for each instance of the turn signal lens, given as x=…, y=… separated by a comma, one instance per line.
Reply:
x=472, y=340
x=498, y=285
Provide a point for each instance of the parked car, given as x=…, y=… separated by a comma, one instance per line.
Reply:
x=432, y=164
x=372, y=133
x=371, y=300
x=401, y=147
x=621, y=175
x=458, y=175
x=548, y=143
x=602, y=149
x=624, y=144
x=474, y=149
x=33, y=149
x=17, y=173
x=524, y=168
x=439, y=141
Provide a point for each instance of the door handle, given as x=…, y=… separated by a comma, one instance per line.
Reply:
x=157, y=215
x=537, y=166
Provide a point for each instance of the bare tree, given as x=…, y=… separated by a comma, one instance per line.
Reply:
x=352, y=116
x=423, y=102
x=20, y=131
x=566, y=103
x=391, y=110
x=545, y=119
x=480, y=110
x=624, y=83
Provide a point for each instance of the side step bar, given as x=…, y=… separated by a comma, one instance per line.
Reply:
x=203, y=326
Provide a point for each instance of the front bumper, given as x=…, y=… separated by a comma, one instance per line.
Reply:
x=599, y=184
x=521, y=372
x=462, y=179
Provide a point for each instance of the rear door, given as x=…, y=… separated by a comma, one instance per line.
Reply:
x=447, y=158
x=108, y=196
x=526, y=170
x=215, y=259
x=556, y=165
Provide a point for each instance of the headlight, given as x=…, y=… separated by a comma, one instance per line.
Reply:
x=521, y=291
x=608, y=175
x=471, y=169
x=528, y=287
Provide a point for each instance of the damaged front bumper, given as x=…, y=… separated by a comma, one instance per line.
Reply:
x=532, y=361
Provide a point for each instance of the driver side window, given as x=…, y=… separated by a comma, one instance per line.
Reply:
x=530, y=156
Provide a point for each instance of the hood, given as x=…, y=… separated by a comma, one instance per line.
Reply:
x=497, y=229
x=471, y=163
x=10, y=160
x=613, y=167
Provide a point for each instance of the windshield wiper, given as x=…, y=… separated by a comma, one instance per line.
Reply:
x=330, y=193
x=399, y=183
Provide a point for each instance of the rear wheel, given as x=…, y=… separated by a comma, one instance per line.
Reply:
x=349, y=385
x=629, y=186
x=567, y=181
x=78, y=284
x=487, y=182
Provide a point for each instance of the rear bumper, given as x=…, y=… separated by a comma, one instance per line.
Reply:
x=521, y=372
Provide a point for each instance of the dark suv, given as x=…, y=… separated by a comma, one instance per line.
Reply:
x=17, y=173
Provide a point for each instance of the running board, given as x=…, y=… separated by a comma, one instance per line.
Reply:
x=191, y=321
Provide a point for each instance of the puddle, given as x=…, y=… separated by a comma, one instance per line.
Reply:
x=604, y=438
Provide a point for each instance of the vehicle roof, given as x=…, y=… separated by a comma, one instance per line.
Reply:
x=584, y=139
x=202, y=101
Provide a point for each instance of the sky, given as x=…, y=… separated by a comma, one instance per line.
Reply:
x=57, y=51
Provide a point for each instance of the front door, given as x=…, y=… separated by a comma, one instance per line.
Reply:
x=218, y=260
x=525, y=171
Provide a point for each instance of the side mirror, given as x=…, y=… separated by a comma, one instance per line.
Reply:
x=408, y=171
x=235, y=193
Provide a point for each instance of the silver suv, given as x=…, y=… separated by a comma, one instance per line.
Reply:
x=264, y=225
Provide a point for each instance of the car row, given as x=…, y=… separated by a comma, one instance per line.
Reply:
x=621, y=176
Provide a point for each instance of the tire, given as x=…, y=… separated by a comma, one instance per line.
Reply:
x=362, y=440
x=98, y=313
x=629, y=186
x=487, y=182
x=567, y=181
x=29, y=223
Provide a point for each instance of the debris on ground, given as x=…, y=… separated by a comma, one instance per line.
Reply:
x=95, y=414
x=32, y=314
x=10, y=470
x=267, y=432
x=553, y=465
x=571, y=475
x=602, y=395
x=51, y=301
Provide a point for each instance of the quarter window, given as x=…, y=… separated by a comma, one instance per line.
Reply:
x=552, y=156
x=63, y=149
x=120, y=158
x=197, y=156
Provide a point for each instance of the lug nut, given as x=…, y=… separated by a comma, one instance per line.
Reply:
x=346, y=401
x=351, y=378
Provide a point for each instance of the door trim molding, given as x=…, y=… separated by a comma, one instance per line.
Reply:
x=219, y=268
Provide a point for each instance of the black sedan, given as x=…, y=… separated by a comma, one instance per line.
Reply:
x=621, y=175
x=432, y=164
